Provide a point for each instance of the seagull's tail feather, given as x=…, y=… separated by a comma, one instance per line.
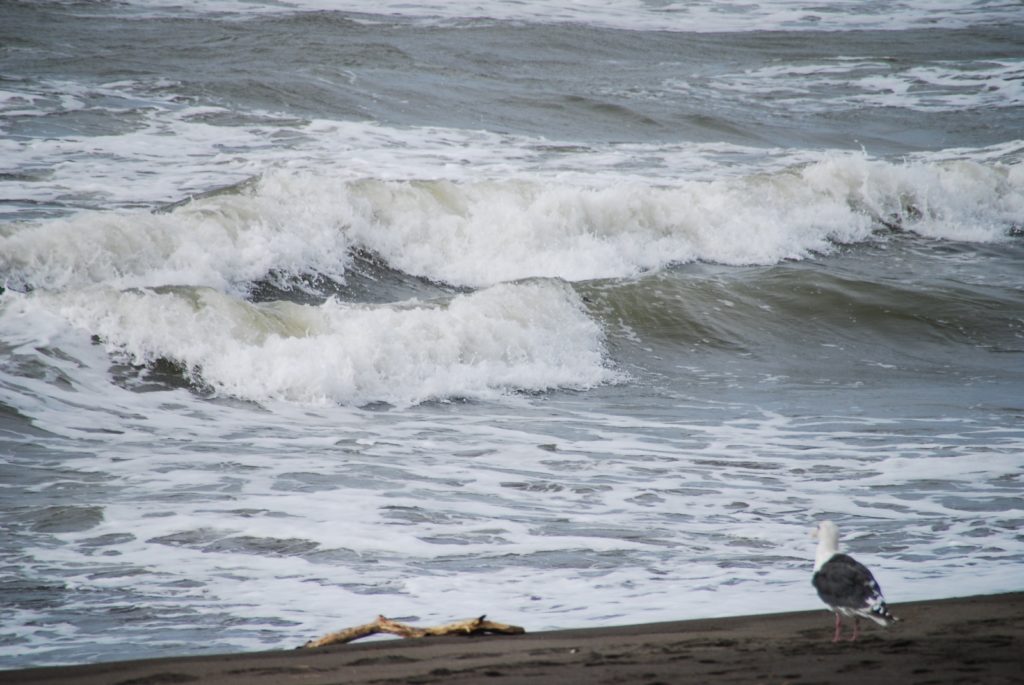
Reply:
x=878, y=612
x=875, y=607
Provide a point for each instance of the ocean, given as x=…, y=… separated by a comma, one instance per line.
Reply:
x=573, y=314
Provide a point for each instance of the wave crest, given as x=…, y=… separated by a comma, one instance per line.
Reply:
x=479, y=233
x=531, y=336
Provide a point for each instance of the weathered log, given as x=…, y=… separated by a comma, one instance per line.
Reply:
x=470, y=626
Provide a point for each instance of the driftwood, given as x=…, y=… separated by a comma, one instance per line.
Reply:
x=470, y=626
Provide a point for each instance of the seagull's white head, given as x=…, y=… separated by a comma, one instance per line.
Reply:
x=828, y=542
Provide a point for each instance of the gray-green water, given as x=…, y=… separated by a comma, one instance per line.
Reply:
x=574, y=316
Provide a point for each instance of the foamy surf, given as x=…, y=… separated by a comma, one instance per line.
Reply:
x=480, y=233
x=222, y=242
x=531, y=336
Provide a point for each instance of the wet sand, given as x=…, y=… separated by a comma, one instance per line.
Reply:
x=964, y=640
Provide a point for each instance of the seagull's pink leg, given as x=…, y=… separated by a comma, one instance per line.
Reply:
x=856, y=628
x=839, y=628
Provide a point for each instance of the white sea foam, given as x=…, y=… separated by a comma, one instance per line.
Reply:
x=216, y=245
x=702, y=15
x=848, y=83
x=195, y=155
x=147, y=128
x=474, y=234
x=955, y=200
x=438, y=515
x=527, y=336
x=294, y=519
x=478, y=233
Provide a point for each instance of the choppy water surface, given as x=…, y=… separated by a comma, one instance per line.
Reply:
x=574, y=316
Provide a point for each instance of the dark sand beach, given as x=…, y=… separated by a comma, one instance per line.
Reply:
x=962, y=640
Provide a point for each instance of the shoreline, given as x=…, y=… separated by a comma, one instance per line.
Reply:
x=977, y=639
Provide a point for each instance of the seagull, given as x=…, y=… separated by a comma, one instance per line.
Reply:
x=845, y=584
